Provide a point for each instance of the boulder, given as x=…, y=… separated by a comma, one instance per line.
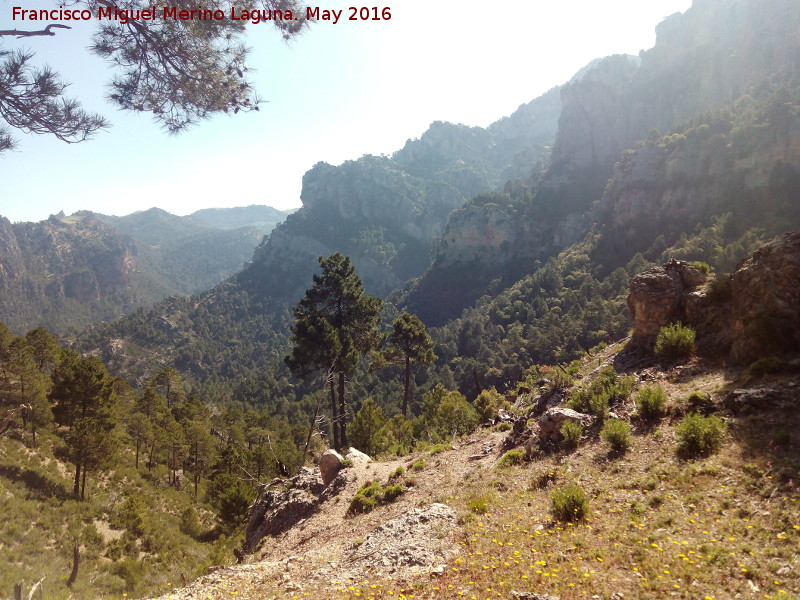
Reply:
x=357, y=457
x=658, y=297
x=329, y=465
x=551, y=421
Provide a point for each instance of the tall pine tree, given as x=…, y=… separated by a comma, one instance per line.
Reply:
x=409, y=343
x=335, y=325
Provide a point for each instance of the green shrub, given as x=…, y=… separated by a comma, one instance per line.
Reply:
x=701, y=266
x=418, y=466
x=569, y=504
x=512, y=458
x=372, y=494
x=571, y=432
x=347, y=463
x=503, y=427
x=366, y=498
x=478, y=504
x=439, y=448
x=651, y=402
x=560, y=379
x=392, y=493
x=674, y=341
x=699, y=402
x=398, y=472
x=699, y=436
x=487, y=404
x=617, y=434
x=606, y=389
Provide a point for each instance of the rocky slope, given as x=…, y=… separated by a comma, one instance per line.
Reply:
x=725, y=523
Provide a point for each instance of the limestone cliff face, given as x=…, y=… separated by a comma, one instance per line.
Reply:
x=708, y=56
x=385, y=212
x=748, y=165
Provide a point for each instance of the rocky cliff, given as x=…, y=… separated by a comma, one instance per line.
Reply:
x=716, y=80
x=385, y=212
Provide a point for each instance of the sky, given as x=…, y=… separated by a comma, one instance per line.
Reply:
x=337, y=93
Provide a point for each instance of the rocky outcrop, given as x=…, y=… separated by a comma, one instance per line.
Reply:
x=553, y=419
x=415, y=542
x=283, y=504
x=658, y=297
x=766, y=300
x=758, y=315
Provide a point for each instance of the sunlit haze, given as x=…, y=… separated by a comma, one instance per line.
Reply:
x=335, y=94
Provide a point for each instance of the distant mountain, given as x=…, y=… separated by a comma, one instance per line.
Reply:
x=72, y=271
x=193, y=253
x=69, y=272
x=263, y=218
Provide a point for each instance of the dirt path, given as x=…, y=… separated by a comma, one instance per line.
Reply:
x=313, y=553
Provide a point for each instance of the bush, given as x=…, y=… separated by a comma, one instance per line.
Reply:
x=487, y=404
x=651, y=402
x=418, y=466
x=674, y=341
x=701, y=266
x=571, y=432
x=617, y=434
x=373, y=494
x=501, y=427
x=398, y=472
x=569, y=504
x=512, y=458
x=699, y=436
x=606, y=389
x=478, y=504
x=366, y=498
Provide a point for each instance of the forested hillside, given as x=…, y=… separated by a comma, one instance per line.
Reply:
x=72, y=271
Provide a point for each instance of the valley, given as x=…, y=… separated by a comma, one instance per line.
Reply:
x=572, y=335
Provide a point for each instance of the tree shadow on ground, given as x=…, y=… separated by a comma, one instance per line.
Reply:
x=40, y=487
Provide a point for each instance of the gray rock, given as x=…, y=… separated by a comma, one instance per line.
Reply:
x=358, y=457
x=329, y=465
x=551, y=421
x=413, y=541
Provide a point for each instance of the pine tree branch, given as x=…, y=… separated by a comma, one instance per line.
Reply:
x=21, y=34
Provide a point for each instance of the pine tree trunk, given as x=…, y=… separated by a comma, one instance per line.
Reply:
x=408, y=384
x=76, y=488
x=83, y=483
x=342, y=411
x=334, y=418
x=76, y=555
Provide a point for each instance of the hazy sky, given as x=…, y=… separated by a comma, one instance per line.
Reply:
x=337, y=93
